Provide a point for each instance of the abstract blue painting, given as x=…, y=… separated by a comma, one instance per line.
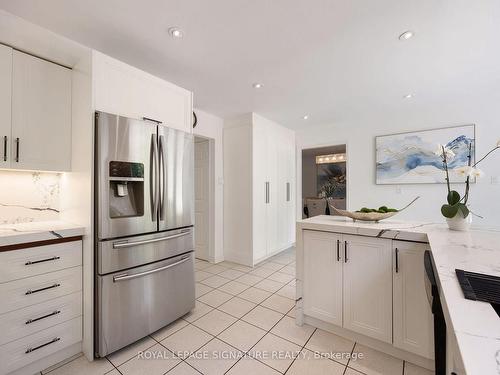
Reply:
x=410, y=158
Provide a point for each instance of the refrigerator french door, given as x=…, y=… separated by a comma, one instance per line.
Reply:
x=144, y=213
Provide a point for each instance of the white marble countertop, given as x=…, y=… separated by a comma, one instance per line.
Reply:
x=12, y=234
x=475, y=324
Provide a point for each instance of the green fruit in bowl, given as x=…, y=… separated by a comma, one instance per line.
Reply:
x=383, y=209
x=365, y=210
x=392, y=210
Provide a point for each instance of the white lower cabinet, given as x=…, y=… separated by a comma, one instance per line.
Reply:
x=368, y=286
x=371, y=286
x=323, y=276
x=413, y=323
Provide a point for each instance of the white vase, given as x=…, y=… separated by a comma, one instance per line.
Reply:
x=459, y=222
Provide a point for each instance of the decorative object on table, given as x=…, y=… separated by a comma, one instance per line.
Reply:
x=410, y=158
x=456, y=211
x=367, y=214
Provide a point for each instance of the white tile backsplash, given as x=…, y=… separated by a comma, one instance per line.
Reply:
x=28, y=196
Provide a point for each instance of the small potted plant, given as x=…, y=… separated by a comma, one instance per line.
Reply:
x=456, y=211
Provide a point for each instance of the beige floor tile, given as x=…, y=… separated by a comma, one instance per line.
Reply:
x=183, y=369
x=248, y=279
x=279, y=303
x=122, y=355
x=326, y=342
x=202, y=275
x=154, y=361
x=228, y=265
x=262, y=317
x=375, y=362
x=215, y=322
x=186, y=340
x=113, y=372
x=310, y=364
x=215, y=298
x=242, y=268
x=233, y=287
x=283, y=259
x=293, y=282
x=202, y=265
x=215, y=281
x=272, y=266
x=215, y=364
x=231, y=274
x=215, y=269
x=275, y=352
x=281, y=277
x=292, y=312
x=287, y=291
x=250, y=366
x=254, y=295
x=202, y=289
x=80, y=366
x=168, y=330
x=287, y=329
x=411, y=369
x=261, y=272
x=237, y=307
x=350, y=371
x=269, y=285
x=199, y=310
x=289, y=270
x=242, y=335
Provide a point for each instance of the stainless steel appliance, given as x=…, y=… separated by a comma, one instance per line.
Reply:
x=144, y=229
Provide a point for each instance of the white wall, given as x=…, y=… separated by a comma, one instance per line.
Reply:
x=210, y=126
x=359, y=136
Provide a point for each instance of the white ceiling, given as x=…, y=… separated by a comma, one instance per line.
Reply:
x=336, y=60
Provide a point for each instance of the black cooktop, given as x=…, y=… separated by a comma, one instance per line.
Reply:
x=480, y=287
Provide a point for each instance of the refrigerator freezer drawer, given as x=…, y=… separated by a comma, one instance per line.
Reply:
x=115, y=255
x=139, y=301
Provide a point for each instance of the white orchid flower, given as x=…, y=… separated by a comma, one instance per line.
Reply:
x=477, y=173
x=465, y=171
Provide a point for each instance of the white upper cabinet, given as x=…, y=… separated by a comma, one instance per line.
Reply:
x=368, y=286
x=413, y=323
x=127, y=91
x=41, y=114
x=5, y=104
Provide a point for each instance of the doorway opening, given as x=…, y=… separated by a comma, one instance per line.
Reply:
x=324, y=180
x=204, y=198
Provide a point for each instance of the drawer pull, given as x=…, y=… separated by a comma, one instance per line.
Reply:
x=29, y=262
x=29, y=350
x=29, y=321
x=28, y=292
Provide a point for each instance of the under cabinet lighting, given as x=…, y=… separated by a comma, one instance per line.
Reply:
x=332, y=158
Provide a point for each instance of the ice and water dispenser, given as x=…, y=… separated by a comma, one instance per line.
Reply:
x=126, y=189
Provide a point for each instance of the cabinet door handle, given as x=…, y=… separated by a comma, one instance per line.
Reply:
x=288, y=192
x=28, y=292
x=397, y=260
x=345, y=251
x=338, y=250
x=5, y=148
x=29, y=321
x=17, y=150
x=30, y=262
x=29, y=350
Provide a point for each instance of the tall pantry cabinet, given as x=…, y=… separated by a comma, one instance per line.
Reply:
x=259, y=184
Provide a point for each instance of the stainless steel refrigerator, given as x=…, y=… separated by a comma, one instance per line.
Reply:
x=144, y=215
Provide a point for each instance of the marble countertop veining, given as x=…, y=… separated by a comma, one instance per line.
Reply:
x=475, y=324
x=12, y=234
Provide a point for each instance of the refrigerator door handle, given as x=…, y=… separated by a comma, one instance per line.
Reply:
x=133, y=276
x=153, y=178
x=121, y=245
x=162, y=176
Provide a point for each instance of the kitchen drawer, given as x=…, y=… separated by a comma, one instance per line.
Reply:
x=34, y=290
x=20, y=323
x=18, y=264
x=22, y=352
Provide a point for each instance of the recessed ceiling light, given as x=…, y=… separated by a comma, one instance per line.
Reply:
x=257, y=85
x=175, y=32
x=408, y=96
x=406, y=35
x=305, y=117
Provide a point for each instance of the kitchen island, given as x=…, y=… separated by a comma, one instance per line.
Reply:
x=365, y=281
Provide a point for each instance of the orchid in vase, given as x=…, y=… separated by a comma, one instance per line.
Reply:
x=456, y=211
